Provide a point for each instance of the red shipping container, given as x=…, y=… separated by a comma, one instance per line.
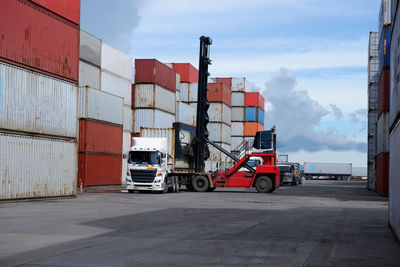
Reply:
x=219, y=93
x=100, y=137
x=98, y=169
x=261, y=101
x=153, y=71
x=226, y=81
x=69, y=9
x=384, y=92
x=251, y=128
x=254, y=99
x=36, y=39
x=188, y=73
x=382, y=174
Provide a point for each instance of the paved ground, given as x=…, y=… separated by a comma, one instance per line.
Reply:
x=321, y=223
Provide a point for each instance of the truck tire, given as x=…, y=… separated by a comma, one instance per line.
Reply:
x=264, y=184
x=294, y=181
x=200, y=183
x=177, y=185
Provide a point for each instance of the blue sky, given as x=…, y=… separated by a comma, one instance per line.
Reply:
x=289, y=49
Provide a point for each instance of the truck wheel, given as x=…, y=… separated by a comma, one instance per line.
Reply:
x=200, y=183
x=177, y=185
x=264, y=184
x=131, y=191
x=294, y=181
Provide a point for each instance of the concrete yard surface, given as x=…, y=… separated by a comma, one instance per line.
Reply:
x=319, y=223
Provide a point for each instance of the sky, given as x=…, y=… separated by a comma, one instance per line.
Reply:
x=307, y=57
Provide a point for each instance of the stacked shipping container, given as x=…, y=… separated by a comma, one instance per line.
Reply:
x=38, y=98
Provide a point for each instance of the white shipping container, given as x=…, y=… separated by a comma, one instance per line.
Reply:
x=218, y=156
x=327, y=168
x=219, y=132
x=241, y=85
x=237, y=128
x=32, y=102
x=384, y=15
x=127, y=122
x=372, y=119
x=395, y=71
x=237, y=99
x=359, y=171
x=100, y=105
x=152, y=118
x=90, y=48
x=237, y=114
x=382, y=133
x=117, y=86
x=178, y=82
x=189, y=92
x=116, y=62
x=186, y=114
x=89, y=75
x=394, y=180
x=219, y=112
x=154, y=96
x=237, y=143
x=33, y=167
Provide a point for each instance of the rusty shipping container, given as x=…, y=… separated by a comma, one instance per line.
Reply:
x=153, y=71
x=382, y=133
x=32, y=167
x=188, y=73
x=38, y=39
x=68, y=9
x=384, y=92
x=382, y=174
x=153, y=96
x=218, y=92
x=99, y=137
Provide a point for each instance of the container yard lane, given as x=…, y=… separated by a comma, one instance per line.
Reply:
x=321, y=223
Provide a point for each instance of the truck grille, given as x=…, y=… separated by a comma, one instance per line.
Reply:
x=143, y=176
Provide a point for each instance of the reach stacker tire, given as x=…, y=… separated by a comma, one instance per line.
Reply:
x=264, y=184
x=200, y=183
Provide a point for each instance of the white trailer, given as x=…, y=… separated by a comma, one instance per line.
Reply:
x=335, y=170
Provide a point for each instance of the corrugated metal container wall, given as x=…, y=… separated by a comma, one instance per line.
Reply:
x=393, y=10
x=371, y=148
x=373, y=45
x=254, y=99
x=250, y=114
x=260, y=116
x=161, y=132
x=382, y=175
x=373, y=97
x=153, y=71
x=251, y=128
x=69, y=9
x=219, y=132
x=394, y=183
x=32, y=102
x=371, y=176
x=90, y=48
x=382, y=140
x=116, y=62
x=261, y=102
x=96, y=169
x=154, y=96
x=37, y=39
x=186, y=114
x=216, y=155
x=189, y=92
x=226, y=81
x=372, y=119
x=237, y=114
x=395, y=72
x=99, y=105
x=237, y=129
x=384, y=92
x=384, y=49
x=117, y=86
x=384, y=14
x=37, y=167
x=99, y=137
x=241, y=85
x=237, y=99
x=219, y=112
x=260, y=127
x=373, y=70
x=127, y=118
x=89, y=75
x=218, y=92
x=237, y=143
x=152, y=118
x=189, y=74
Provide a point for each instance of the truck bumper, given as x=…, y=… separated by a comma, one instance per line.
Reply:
x=145, y=186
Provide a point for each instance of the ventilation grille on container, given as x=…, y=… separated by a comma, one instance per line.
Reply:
x=143, y=176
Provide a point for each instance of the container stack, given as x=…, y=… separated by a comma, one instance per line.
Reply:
x=253, y=113
x=394, y=172
x=382, y=131
x=153, y=95
x=373, y=79
x=39, y=68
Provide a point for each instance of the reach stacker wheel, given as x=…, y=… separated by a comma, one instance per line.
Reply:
x=264, y=184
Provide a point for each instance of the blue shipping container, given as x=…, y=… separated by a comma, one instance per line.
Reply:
x=250, y=114
x=261, y=116
x=384, y=49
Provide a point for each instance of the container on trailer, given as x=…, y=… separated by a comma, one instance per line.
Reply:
x=68, y=9
x=219, y=112
x=237, y=143
x=89, y=75
x=395, y=73
x=33, y=167
x=240, y=85
x=260, y=114
x=327, y=168
x=100, y=105
x=219, y=132
x=371, y=176
x=152, y=118
x=99, y=137
x=394, y=180
x=36, y=103
x=99, y=169
x=382, y=174
x=372, y=120
x=359, y=171
x=117, y=86
x=189, y=92
x=384, y=15
x=188, y=73
x=116, y=62
x=238, y=99
x=127, y=121
x=382, y=136
x=36, y=39
x=384, y=92
x=373, y=97
x=250, y=114
x=237, y=114
x=154, y=96
x=186, y=114
x=237, y=128
x=384, y=49
x=153, y=71
x=218, y=92
x=90, y=48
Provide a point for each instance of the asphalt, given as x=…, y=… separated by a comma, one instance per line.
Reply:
x=319, y=223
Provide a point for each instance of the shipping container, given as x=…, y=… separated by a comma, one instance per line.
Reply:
x=254, y=99
x=153, y=71
x=226, y=81
x=372, y=120
x=178, y=82
x=371, y=148
x=240, y=85
x=384, y=15
x=384, y=92
x=315, y=168
x=117, y=86
x=393, y=10
x=384, y=50
x=373, y=45
x=186, y=114
x=68, y=9
x=90, y=48
x=371, y=176
x=99, y=169
x=394, y=180
x=237, y=114
x=189, y=92
x=373, y=97
x=251, y=128
x=359, y=171
x=89, y=75
x=116, y=62
x=218, y=156
x=382, y=136
x=373, y=71
x=260, y=116
x=33, y=167
x=189, y=74
x=37, y=39
x=382, y=175
x=100, y=105
x=219, y=112
x=36, y=103
x=219, y=132
x=238, y=99
x=395, y=73
x=127, y=118
x=237, y=129
x=99, y=137
x=250, y=114
x=260, y=127
x=152, y=118
x=154, y=96
x=126, y=146
x=237, y=143
x=218, y=92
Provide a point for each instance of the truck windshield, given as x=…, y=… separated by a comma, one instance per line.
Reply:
x=284, y=168
x=144, y=157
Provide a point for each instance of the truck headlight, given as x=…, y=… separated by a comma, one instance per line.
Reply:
x=157, y=180
x=159, y=173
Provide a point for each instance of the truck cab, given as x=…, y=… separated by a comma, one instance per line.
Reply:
x=287, y=175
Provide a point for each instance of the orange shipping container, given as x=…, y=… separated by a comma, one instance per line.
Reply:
x=219, y=93
x=251, y=128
